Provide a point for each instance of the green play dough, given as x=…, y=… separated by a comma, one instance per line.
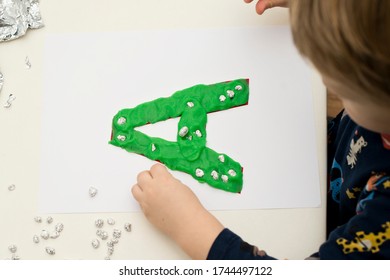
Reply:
x=189, y=154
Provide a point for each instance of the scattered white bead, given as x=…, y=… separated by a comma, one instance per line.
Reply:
x=11, y=187
x=15, y=257
x=115, y=240
x=190, y=104
x=36, y=239
x=27, y=62
x=110, y=244
x=183, y=131
x=59, y=227
x=92, y=192
x=111, y=221
x=50, y=250
x=121, y=138
x=214, y=174
x=232, y=172
x=49, y=220
x=199, y=172
x=38, y=219
x=54, y=235
x=95, y=243
x=45, y=234
x=117, y=233
x=121, y=120
x=238, y=87
x=99, y=223
x=221, y=158
x=12, y=248
x=222, y=98
x=102, y=234
x=198, y=133
x=127, y=227
x=225, y=178
x=110, y=251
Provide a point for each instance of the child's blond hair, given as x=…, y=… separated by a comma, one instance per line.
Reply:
x=348, y=41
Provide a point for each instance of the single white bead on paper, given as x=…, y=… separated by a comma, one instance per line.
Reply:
x=92, y=192
x=59, y=227
x=49, y=220
x=50, y=250
x=95, y=243
x=45, y=234
x=127, y=227
x=36, y=239
x=12, y=248
x=99, y=223
x=111, y=221
x=54, y=235
x=117, y=233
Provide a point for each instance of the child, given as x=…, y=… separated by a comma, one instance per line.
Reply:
x=349, y=43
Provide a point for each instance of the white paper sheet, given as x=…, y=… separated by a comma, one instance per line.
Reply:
x=88, y=78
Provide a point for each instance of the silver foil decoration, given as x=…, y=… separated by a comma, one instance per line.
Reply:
x=16, y=16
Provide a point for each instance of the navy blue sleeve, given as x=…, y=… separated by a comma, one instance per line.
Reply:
x=367, y=234
x=229, y=246
x=358, y=201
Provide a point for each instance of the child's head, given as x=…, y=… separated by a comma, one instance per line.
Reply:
x=348, y=41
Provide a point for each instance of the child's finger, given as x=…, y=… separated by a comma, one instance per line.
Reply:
x=159, y=170
x=136, y=190
x=143, y=177
x=248, y=1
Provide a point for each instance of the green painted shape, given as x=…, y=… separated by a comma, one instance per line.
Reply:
x=188, y=154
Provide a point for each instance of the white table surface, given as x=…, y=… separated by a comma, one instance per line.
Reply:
x=284, y=233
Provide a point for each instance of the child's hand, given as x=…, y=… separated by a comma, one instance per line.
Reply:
x=263, y=5
x=175, y=210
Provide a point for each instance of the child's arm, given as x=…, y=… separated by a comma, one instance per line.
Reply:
x=263, y=5
x=175, y=210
